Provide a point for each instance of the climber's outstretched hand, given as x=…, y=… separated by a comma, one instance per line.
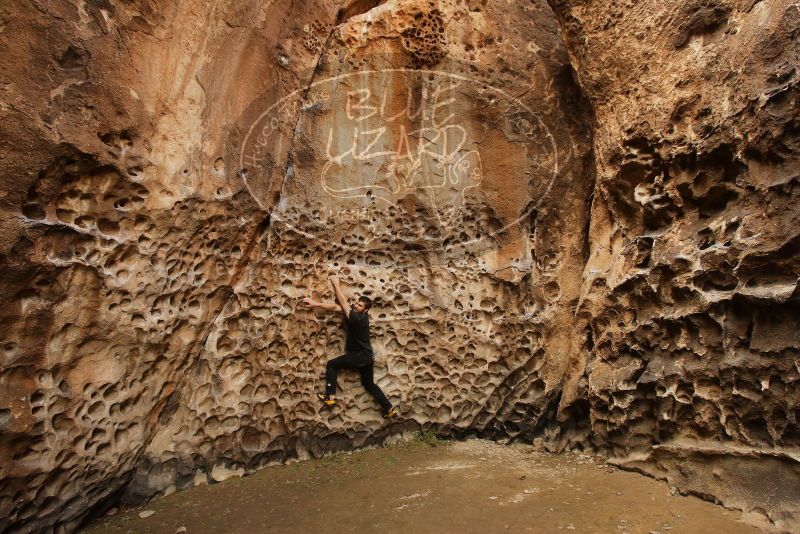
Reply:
x=328, y=306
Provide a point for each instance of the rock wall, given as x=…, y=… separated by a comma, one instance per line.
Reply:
x=690, y=296
x=123, y=232
x=408, y=166
x=177, y=176
x=592, y=242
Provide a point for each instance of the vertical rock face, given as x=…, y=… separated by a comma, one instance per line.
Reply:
x=124, y=231
x=176, y=177
x=690, y=294
x=448, y=185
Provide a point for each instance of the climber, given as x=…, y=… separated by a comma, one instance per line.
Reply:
x=358, y=350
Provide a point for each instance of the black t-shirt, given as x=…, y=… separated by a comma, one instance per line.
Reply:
x=357, y=332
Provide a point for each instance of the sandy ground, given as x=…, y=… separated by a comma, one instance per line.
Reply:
x=467, y=487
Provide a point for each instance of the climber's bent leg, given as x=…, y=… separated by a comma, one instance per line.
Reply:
x=367, y=380
x=346, y=361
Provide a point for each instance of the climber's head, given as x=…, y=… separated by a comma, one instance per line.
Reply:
x=362, y=305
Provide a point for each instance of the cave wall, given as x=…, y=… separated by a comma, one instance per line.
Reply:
x=122, y=231
x=176, y=177
x=468, y=273
x=690, y=297
x=578, y=222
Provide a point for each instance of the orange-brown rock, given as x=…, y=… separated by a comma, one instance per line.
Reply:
x=690, y=294
x=591, y=240
x=177, y=177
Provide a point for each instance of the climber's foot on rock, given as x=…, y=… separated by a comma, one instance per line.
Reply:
x=391, y=413
x=327, y=401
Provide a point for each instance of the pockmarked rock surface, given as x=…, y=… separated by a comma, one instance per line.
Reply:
x=690, y=298
x=408, y=165
x=578, y=222
x=178, y=176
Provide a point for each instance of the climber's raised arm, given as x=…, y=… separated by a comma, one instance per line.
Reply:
x=340, y=299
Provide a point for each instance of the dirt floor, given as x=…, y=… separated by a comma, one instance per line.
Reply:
x=428, y=486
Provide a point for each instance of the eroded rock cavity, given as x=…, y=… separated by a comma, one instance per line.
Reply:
x=590, y=240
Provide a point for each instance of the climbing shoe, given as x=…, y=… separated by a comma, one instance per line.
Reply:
x=326, y=400
x=390, y=413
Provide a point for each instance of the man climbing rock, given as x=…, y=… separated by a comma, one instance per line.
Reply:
x=358, y=350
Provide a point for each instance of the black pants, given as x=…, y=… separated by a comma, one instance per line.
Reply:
x=365, y=363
